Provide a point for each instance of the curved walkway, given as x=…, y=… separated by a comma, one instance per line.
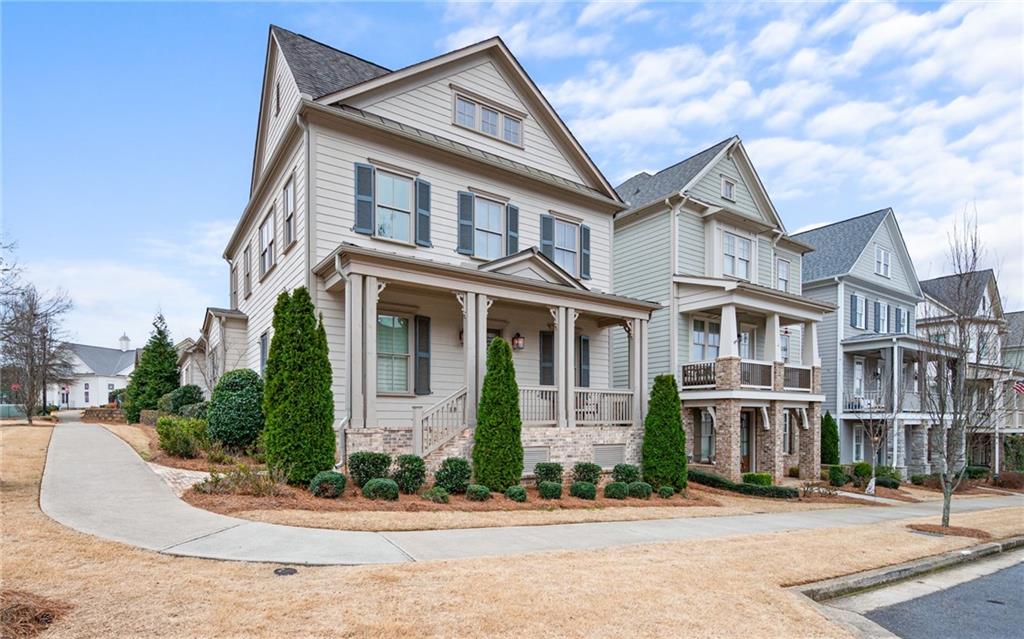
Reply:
x=95, y=483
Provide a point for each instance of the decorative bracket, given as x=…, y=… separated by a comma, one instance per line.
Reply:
x=461, y=298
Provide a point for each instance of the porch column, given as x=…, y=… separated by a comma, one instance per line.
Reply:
x=483, y=304
x=637, y=372
x=354, y=343
x=644, y=378
x=570, y=367
x=727, y=438
x=771, y=338
x=728, y=347
x=917, y=464
x=810, y=444
x=469, y=345
x=559, y=315
x=810, y=345
x=373, y=289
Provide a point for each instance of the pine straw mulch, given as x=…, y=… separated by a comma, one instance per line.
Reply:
x=146, y=442
x=809, y=499
x=955, y=531
x=23, y=614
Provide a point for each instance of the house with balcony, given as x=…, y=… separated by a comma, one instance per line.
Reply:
x=430, y=210
x=972, y=300
x=703, y=238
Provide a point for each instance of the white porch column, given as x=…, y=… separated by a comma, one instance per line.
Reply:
x=373, y=288
x=560, y=320
x=897, y=369
x=482, y=305
x=469, y=346
x=570, y=367
x=772, y=353
x=637, y=374
x=354, y=342
x=810, y=345
x=644, y=390
x=728, y=336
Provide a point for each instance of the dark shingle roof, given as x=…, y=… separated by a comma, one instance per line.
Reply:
x=1014, y=329
x=960, y=293
x=320, y=69
x=645, y=188
x=104, y=361
x=838, y=245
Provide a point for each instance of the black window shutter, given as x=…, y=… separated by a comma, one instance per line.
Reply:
x=547, y=358
x=547, y=236
x=467, y=203
x=878, y=311
x=853, y=311
x=423, y=213
x=584, y=363
x=512, y=227
x=364, y=199
x=585, y=252
x=422, y=341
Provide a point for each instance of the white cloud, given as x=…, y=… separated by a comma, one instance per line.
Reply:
x=603, y=12
x=776, y=38
x=851, y=118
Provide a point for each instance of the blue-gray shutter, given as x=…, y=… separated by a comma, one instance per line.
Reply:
x=878, y=311
x=512, y=228
x=853, y=311
x=467, y=203
x=423, y=213
x=584, y=363
x=547, y=358
x=364, y=199
x=889, y=320
x=584, y=252
x=547, y=236
x=422, y=344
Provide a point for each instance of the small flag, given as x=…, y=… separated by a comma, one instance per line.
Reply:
x=1019, y=386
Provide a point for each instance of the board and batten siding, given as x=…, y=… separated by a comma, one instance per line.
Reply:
x=430, y=107
x=276, y=123
x=709, y=189
x=828, y=343
x=336, y=155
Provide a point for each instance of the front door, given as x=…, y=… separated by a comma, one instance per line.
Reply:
x=746, y=432
x=858, y=377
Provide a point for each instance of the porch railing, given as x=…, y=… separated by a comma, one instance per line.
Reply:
x=796, y=378
x=755, y=374
x=603, y=407
x=436, y=426
x=538, y=405
x=865, y=400
x=697, y=375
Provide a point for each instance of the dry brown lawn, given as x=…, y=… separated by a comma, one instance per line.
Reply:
x=728, y=587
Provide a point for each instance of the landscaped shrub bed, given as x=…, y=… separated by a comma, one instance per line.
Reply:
x=181, y=436
x=516, y=493
x=327, y=484
x=976, y=472
x=586, y=472
x=364, y=466
x=758, y=479
x=235, y=414
x=616, y=490
x=244, y=480
x=717, y=481
x=436, y=494
x=476, y=492
x=1010, y=479
x=410, y=474
x=548, y=471
x=640, y=490
x=550, y=489
x=381, y=488
x=453, y=475
x=887, y=482
x=583, y=490
x=625, y=473
x=837, y=476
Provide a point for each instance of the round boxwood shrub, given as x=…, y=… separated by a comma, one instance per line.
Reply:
x=625, y=473
x=476, y=492
x=583, y=490
x=666, y=492
x=758, y=479
x=365, y=465
x=436, y=494
x=327, y=484
x=548, y=471
x=453, y=475
x=640, y=490
x=516, y=493
x=411, y=473
x=586, y=471
x=381, y=488
x=235, y=415
x=616, y=490
x=837, y=476
x=550, y=489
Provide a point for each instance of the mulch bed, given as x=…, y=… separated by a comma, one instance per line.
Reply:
x=895, y=493
x=158, y=456
x=295, y=498
x=952, y=531
x=23, y=614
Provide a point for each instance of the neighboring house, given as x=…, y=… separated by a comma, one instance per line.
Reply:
x=862, y=266
x=429, y=210
x=1013, y=343
x=192, y=364
x=990, y=380
x=98, y=372
x=703, y=238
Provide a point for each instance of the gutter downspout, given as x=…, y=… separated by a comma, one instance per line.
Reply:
x=673, y=325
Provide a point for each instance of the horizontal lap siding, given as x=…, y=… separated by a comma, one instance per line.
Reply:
x=827, y=345
x=277, y=123
x=709, y=189
x=331, y=306
x=885, y=236
x=795, y=270
x=691, y=244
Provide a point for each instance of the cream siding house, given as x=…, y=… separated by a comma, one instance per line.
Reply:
x=430, y=210
x=703, y=238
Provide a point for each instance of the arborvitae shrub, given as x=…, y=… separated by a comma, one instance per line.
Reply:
x=829, y=439
x=625, y=473
x=453, y=475
x=586, y=471
x=550, y=489
x=366, y=465
x=664, y=448
x=327, y=484
x=155, y=375
x=498, y=447
x=410, y=474
x=548, y=471
x=583, y=490
x=235, y=413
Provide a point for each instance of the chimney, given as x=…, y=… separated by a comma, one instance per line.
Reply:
x=125, y=343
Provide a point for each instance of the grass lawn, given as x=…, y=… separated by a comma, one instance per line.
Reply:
x=727, y=587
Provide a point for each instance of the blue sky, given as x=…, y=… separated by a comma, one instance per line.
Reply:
x=128, y=128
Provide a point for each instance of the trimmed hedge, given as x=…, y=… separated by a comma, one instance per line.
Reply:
x=616, y=490
x=327, y=484
x=976, y=472
x=550, y=489
x=476, y=492
x=717, y=481
x=583, y=490
x=587, y=472
x=235, y=415
x=887, y=482
x=410, y=474
x=862, y=470
x=918, y=480
x=837, y=476
x=364, y=466
x=381, y=488
x=548, y=471
x=758, y=479
x=453, y=475
x=497, y=441
x=516, y=493
x=625, y=473
x=436, y=494
x=666, y=492
x=181, y=436
x=640, y=490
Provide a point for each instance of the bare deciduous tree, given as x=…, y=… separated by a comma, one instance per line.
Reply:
x=879, y=420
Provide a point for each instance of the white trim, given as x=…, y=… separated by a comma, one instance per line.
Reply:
x=731, y=183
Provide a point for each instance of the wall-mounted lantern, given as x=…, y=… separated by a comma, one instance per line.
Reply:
x=518, y=342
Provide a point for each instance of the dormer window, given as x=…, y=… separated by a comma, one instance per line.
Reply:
x=488, y=119
x=882, y=261
x=728, y=189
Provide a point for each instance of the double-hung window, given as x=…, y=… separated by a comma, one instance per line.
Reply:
x=567, y=246
x=858, y=311
x=489, y=121
x=707, y=436
x=513, y=130
x=488, y=218
x=728, y=189
x=394, y=206
x=267, y=244
x=736, y=256
x=706, y=340
x=247, y=270
x=883, y=317
x=288, y=202
x=782, y=275
x=858, y=443
x=882, y=261
x=393, y=354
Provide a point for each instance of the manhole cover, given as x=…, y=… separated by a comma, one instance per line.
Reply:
x=282, y=572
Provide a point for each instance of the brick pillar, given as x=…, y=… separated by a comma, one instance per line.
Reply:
x=917, y=463
x=727, y=438
x=810, y=445
x=692, y=445
x=778, y=376
x=769, y=443
x=727, y=373
x=816, y=380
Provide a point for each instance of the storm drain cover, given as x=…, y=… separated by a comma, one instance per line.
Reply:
x=283, y=572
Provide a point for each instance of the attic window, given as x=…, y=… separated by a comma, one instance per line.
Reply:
x=728, y=189
x=882, y=262
x=277, y=98
x=488, y=119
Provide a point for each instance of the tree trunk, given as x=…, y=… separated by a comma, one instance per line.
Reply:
x=947, y=502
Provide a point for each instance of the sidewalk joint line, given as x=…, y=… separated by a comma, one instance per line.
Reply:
x=209, y=534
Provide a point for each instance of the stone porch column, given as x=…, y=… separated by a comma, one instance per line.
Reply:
x=918, y=464
x=769, y=443
x=810, y=444
x=354, y=348
x=727, y=439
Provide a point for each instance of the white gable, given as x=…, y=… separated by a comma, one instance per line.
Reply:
x=532, y=265
x=901, y=270
x=709, y=189
x=279, y=100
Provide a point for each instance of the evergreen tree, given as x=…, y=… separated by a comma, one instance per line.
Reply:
x=155, y=374
x=664, y=448
x=297, y=399
x=498, y=447
x=829, y=440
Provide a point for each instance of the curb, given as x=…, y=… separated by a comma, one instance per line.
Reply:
x=842, y=586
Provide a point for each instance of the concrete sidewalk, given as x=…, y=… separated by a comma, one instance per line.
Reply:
x=95, y=483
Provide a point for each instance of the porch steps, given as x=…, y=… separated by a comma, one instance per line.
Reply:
x=459, y=446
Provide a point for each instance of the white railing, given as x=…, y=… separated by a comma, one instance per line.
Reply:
x=697, y=375
x=437, y=425
x=864, y=400
x=538, y=405
x=796, y=377
x=603, y=407
x=755, y=374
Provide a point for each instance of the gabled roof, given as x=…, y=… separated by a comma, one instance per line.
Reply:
x=319, y=69
x=960, y=293
x=644, y=188
x=838, y=245
x=1014, y=329
x=534, y=259
x=224, y=313
x=102, y=360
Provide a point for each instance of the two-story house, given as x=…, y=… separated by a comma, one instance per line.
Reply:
x=1013, y=345
x=429, y=210
x=703, y=238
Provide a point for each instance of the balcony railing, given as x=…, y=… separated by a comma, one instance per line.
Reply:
x=603, y=407
x=797, y=378
x=698, y=375
x=755, y=374
x=538, y=405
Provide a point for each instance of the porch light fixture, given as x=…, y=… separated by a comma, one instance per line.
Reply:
x=518, y=342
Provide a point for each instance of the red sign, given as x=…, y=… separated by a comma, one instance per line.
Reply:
x=15, y=387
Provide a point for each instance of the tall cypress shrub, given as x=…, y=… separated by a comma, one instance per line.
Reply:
x=498, y=446
x=664, y=449
x=829, y=439
x=155, y=374
x=297, y=398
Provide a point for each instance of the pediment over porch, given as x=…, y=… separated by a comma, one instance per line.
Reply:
x=531, y=264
